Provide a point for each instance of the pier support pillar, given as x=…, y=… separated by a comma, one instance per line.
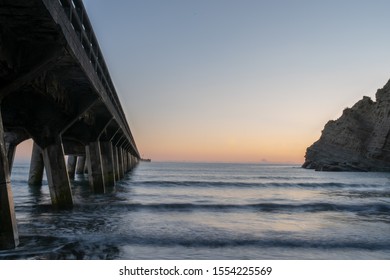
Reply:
x=57, y=175
x=9, y=237
x=95, y=172
x=131, y=161
x=116, y=164
x=86, y=162
x=11, y=149
x=80, y=167
x=71, y=166
x=119, y=156
x=36, y=167
x=108, y=163
x=125, y=161
x=122, y=162
x=135, y=161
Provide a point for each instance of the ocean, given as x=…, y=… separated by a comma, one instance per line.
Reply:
x=209, y=211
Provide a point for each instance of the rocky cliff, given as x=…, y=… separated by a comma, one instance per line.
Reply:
x=359, y=140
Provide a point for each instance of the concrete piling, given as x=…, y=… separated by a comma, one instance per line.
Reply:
x=57, y=175
x=132, y=161
x=95, y=172
x=120, y=163
x=125, y=161
x=36, y=167
x=80, y=167
x=86, y=168
x=9, y=237
x=11, y=150
x=108, y=163
x=71, y=166
x=116, y=164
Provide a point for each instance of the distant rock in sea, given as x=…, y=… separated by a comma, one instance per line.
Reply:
x=358, y=141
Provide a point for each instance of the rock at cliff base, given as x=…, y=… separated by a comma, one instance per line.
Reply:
x=358, y=141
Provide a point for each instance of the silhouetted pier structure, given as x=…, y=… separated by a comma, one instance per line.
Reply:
x=56, y=89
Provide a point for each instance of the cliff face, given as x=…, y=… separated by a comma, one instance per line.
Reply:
x=359, y=140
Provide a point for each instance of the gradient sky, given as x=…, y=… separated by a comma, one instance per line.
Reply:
x=239, y=80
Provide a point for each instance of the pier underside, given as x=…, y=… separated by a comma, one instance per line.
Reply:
x=55, y=88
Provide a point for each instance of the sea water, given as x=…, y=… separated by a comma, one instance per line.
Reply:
x=209, y=211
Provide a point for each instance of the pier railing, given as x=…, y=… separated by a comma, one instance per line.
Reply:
x=77, y=15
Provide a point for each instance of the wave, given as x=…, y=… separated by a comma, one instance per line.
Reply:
x=269, y=207
x=373, y=208
x=104, y=247
x=206, y=240
x=214, y=242
x=218, y=184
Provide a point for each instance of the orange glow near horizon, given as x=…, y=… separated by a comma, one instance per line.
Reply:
x=239, y=148
x=271, y=150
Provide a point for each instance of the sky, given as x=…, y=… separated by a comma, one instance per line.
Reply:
x=239, y=80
